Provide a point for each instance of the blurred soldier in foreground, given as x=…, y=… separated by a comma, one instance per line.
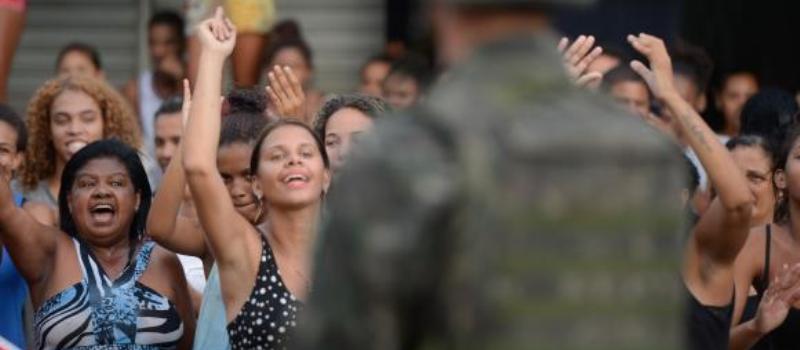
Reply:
x=511, y=211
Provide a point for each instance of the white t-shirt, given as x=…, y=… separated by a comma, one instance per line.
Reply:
x=195, y=274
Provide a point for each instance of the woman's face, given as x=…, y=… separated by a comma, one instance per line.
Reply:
x=293, y=58
x=291, y=172
x=103, y=201
x=10, y=156
x=757, y=168
x=401, y=92
x=789, y=179
x=76, y=63
x=372, y=77
x=75, y=121
x=737, y=90
x=342, y=129
x=233, y=162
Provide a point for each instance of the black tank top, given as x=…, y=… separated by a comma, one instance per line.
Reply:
x=270, y=314
x=787, y=335
x=708, y=326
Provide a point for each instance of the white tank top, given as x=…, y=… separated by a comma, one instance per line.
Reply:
x=149, y=103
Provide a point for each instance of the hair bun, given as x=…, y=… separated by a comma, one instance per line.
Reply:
x=251, y=101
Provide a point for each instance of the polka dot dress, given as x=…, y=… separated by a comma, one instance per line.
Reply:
x=269, y=314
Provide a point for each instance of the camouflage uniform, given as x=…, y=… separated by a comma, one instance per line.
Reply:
x=513, y=211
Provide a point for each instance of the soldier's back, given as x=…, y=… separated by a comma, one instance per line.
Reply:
x=514, y=211
x=567, y=235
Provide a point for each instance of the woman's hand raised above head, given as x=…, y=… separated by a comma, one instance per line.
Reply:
x=187, y=102
x=286, y=94
x=217, y=34
x=577, y=57
x=659, y=76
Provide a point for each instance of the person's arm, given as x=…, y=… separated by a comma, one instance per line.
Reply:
x=31, y=245
x=42, y=212
x=380, y=244
x=228, y=233
x=723, y=229
x=164, y=224
x=748, y=265
x=778, y=299
x=171, y=274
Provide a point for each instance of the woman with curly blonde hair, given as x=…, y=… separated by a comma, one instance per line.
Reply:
x=63, y=116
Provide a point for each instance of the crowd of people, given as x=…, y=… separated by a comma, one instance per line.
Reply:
x=173, y=214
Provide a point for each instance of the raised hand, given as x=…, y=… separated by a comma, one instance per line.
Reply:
x=187, y=102
x=217, y=34
x=577, y=57
x=286, y=93
x=778, y=300
x=659, y=75
x=664, y=124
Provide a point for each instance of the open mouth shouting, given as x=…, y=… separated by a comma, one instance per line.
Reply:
x=73, y=146
x=296, y=180
x=102, y=213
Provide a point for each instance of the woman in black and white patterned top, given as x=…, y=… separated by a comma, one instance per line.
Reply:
x=264, y=272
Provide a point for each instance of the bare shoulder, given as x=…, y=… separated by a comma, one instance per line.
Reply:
x=756, y=235
x=165, y=273
x=42, y=212
x=164, y=259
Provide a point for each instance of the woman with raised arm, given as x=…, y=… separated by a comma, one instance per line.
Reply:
x=264, y=271
x=721, y=232
x=95, y=282
x=764, y=261
x=183, y=235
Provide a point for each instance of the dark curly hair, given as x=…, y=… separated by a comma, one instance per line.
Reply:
x=782, y=208
x=241, y=128
x=8, y=116
x=372, y=107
